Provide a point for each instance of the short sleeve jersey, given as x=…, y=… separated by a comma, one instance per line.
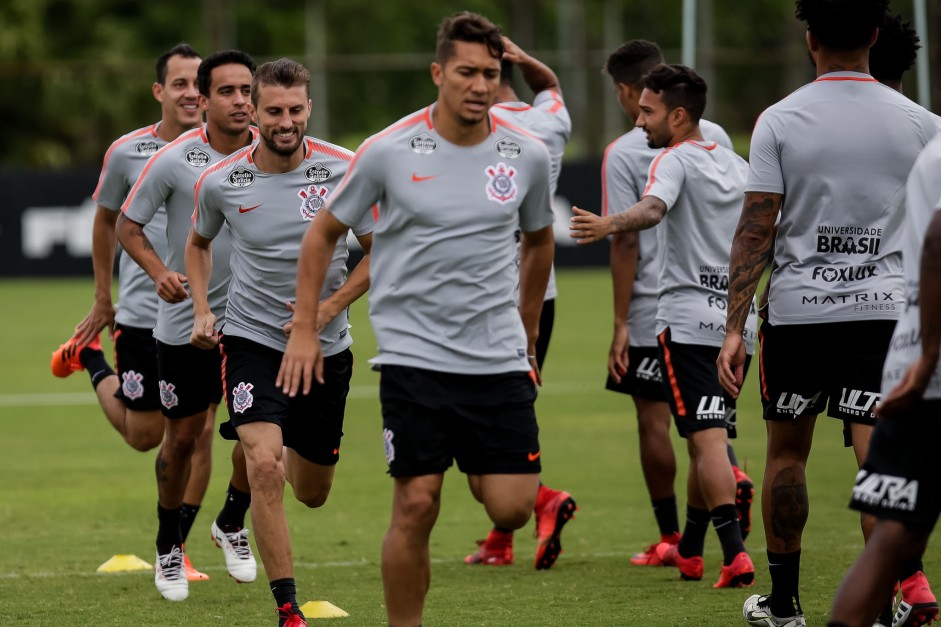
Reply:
x=839, y=150
x=923, y=201
x=702, y=185
x=267, y=215
x=122, y=164
x=623, y=179
x=170, y=179
x=548, y=119
x=442, y=275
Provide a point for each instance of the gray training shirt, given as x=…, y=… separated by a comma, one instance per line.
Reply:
x=623, y=179
x=122, y=164
x=839, y=149
x=442, y=274
x=268, y=215
x=702, y=185
x=170, y=178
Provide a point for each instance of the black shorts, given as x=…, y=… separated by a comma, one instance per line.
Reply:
x=190, y=379
x=135, y=359
x=486, y=422
x=806, y=367
x=311, y=424
x=691, y=383
x=899, y=480
x=643, y=378
x=546, y=322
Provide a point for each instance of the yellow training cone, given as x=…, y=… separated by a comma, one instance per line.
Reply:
x=322, y=609
x=124, y=564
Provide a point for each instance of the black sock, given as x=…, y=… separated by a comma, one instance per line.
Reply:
x=168, y=529
x=232, y=516
x=732, y=458
x=785, y=578
x=725, y=520
x=907, y=568
x=284, y=592
x=187, y=516
x=664, y=510
x=694, y=535
x=94, y=362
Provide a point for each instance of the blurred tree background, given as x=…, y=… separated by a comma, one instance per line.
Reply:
x=76, y=74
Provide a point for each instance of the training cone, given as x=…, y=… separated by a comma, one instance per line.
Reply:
x=124, y=564
x=322, y=609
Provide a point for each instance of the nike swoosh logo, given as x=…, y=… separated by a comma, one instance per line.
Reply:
x=534, y=456
x=247, y=209
x=419, y=179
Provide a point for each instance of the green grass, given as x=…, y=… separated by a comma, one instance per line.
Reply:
x=73, y=494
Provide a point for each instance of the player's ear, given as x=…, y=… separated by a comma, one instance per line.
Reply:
x=437, y=73
x=203, y=102
x=157, y=90
x=252, y=113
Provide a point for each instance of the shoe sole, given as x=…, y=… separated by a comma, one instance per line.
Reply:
x=744, y=495
x=549, y=552
x=915, y=615
x=744, y=580
x=219, y=546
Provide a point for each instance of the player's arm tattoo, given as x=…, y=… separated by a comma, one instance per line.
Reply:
x=138, y=231
x=645, y=214
x=789, y=508
x=751, y=250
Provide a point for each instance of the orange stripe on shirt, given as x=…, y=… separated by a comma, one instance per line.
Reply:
x=847, y=78
x=671, y=375
x=244, y=153
x=150, y=162
x=152, y=130
x=653, y=171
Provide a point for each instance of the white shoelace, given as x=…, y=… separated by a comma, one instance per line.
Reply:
x=239, y=543
x=171, y=564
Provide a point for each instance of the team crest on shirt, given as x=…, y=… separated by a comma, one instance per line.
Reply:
x=146, y=148
x=240, y=177
x=501, y=187
x=387, y=436
x=131, y=387
x=318, y=173
x=168, y=397
x=242, y=397
x=313, y=198
x=197, y=157
x=508, y=148
x=423, y=144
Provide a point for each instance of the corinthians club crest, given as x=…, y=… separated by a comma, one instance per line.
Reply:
x=242, y=397
x=501, y=187
x=313, y=198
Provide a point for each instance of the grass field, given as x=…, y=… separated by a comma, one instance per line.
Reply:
x=73, y=494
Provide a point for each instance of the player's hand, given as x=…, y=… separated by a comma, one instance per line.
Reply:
x=537, y=376
x=290, y=323
x=587, y=227
x=100, y=316
x=170, y=287
x=204, y=333
x=326, y=312
x=302, y=362
x=511, y=52
x=731, y=364
x=909, y=390
x=617, y=356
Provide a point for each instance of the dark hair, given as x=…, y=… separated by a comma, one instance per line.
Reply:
x=895, y=50
x=223, y=57
x=469, y=27
x=842, y=24
x=283, y=72
x=182, y=49
x=680, y=86
x=632, y=60
x=506, y=72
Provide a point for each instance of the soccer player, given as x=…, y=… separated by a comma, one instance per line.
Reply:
x=190, y=377
x=267, y=194
x=548, y=119
x=693, y=189
x=457, y=355
x=633, y=366
x=130, y=397
x=836, y=288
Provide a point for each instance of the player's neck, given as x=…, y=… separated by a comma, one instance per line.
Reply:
x=226, y=144
x=842, y=61
x=170, y=129
x=453, y=130
x=271, y=162
x=689, y=134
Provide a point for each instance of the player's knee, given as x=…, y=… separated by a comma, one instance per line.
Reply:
x=313, y=497
x=266, y=473
x=144, y=441
x=416, y=511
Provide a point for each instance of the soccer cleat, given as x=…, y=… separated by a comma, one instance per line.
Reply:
x=691, y=568
x=648, y=557
x=191, y=573
x=757, y=612
x=65, y=359
x=169, y=576
x=287, y=617
x=739, y=574
x=239, y=560
x=551, y=516
x=744, y=494
x=496, y=550
x=918, y=605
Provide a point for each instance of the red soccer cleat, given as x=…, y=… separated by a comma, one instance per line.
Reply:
x=918, y=605
x=691, y=568
x=65, y=359
x=553, y=509
x=648, y=557
x=496, y=550
x=739, y=574
x=744, y=494
x=287, y=617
